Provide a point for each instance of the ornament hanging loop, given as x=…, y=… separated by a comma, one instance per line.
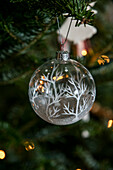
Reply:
x=61, y=42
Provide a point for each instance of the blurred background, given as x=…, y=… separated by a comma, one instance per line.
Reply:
x=28, y=38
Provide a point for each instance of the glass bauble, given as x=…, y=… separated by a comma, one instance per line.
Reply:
x=62, y=91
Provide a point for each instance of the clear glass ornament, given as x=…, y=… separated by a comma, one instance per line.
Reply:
x=62, y=91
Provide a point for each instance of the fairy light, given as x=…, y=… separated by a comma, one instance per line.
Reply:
x=84, y=52
x=29, y=146
x=110, y=122
x=2, y=154
x=54, y=78
x=41, y=82
x=42, y=77
x=41, y=88
x=59, y=78
x=78, y=169
x=67, y=76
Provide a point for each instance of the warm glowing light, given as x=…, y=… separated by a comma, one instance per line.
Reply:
x=29, y=146
x=67, y=76
x=42, y=77
x=106, y=58
x=59, y=78
x=41, y=82
x=78, y=169
x=110, y=122
x=84, y=52
x=40, y=87
x=54, y=78
x=2, y=154
x=102, y=59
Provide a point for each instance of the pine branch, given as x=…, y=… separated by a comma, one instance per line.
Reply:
x=103, y=74
x=12, y=34
x=31, y=43
x=16, y=78
x=87, y=158
x=38, y=37
x=27, y=126
x=76, y=9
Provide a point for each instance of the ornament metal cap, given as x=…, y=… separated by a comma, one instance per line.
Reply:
x=63, y=55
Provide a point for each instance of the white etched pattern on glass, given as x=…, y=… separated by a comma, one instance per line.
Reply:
x=64, y=98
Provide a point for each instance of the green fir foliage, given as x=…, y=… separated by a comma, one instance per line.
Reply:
x=28, y=39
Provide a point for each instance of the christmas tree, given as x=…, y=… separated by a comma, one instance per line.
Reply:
x=28, y=38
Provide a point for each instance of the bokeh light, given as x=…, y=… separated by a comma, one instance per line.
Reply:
x=110, y=122
x=2, y=154
x=29, y=146
x=84, y=52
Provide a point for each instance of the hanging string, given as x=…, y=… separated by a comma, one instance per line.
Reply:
x=61, y=42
